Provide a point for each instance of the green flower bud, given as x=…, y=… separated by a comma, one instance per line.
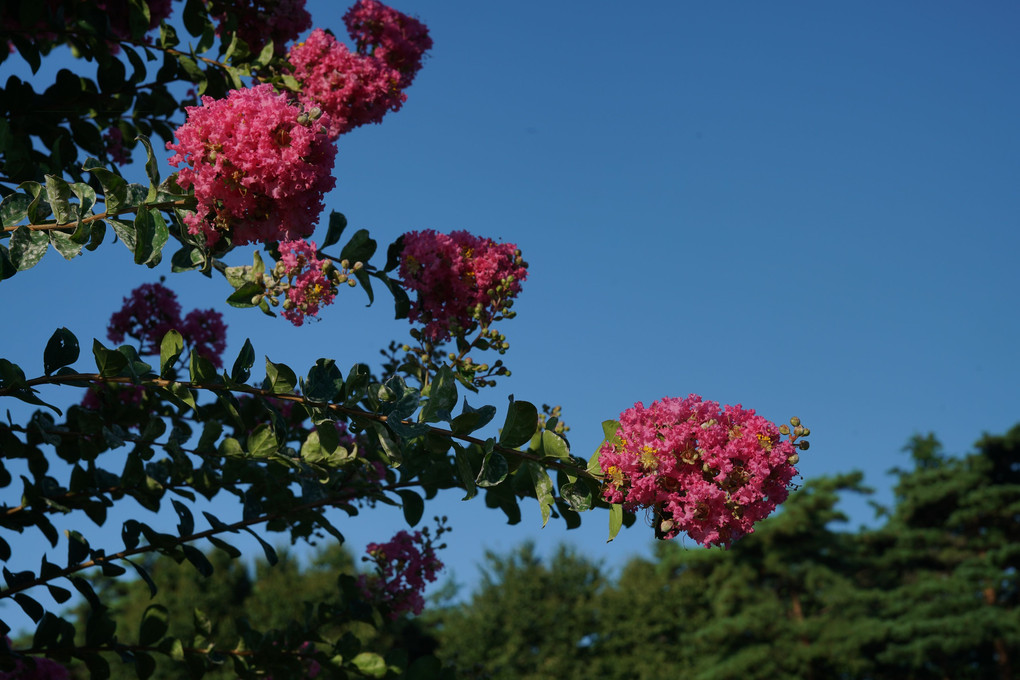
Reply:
x=795, y=421
x=784, y=429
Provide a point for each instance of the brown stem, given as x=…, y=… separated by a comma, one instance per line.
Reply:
x=53, y=226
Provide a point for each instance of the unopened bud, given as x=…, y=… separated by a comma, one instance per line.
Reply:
x=795, y=421
x=806, y=432
x=804, y=444
x=793, y=459
x=352, y=283
x=357, y=266
x=798, y=431
x=784, y=429
x=256, y=299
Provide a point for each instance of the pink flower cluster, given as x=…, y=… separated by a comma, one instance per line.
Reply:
x=707, y=471
x=152, y=309
x=262, y=21
x=388, y=35
x=114, y=140
x=41, y=669
x=460, y=279
x=309, y=285
x=403, y=565
x=258, y=164
x=353, y=89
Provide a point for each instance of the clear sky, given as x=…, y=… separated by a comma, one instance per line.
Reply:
x=807, y=208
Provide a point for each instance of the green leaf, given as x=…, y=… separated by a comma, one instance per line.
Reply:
x=325, y=382
x=197, y=559
x=151, y=234
x=543, y=488
x=64, y=244
x=520, y=425
x=360, y=248
x=577, y=495
x=262, y=442
x=271, y=555
x=241, y=370
x=7, y=268
x=151, y=168
x=442, y=397
x=413, y=506
x=371, y=664
x=155, y=624
x=615, y=520
x=114, y=188
x=281, y=378
x=555, y=445
x=28, y=247
x=59, y=193
x=61, y=350
x=609, y=429
x=337, y=224
x=110, y=362
x=170, y=348
x=125, y=231
x=464, y=471
x=242, y=297
x=182, y=394
x=494, y=470
x=14, y=209
x=145, y=665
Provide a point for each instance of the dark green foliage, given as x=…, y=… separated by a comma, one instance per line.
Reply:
x=931, y=594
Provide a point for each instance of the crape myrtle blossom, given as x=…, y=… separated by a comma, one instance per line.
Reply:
x=259, y=166
x=403, y=565
x=34, y=668
x=305, y=281
x=352, y=88
x=460, y=280
x=259, y=22
x=152, y=309
x=390, y=36
x=708, y=471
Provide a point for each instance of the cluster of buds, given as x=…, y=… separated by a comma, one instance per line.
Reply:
x=303, y=282
x=798, y=432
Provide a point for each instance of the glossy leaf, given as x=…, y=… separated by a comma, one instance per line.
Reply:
x=337, y=224
x=494, y=470
x=61, y=350
x=27, y=247
x=442, y=397
x=520, y=424
x=615, y=520
x=280, y=377
x=170, y=348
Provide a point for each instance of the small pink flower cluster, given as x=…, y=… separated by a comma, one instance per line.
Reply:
x=262, y=21
x=42, y=669
x=707, y=471
x=309, y=286
x=114, y=140
x=352, y=88
x=460, y=279
x=388, y=35
x=152, y=309
x=259, y=166
x=403, y=565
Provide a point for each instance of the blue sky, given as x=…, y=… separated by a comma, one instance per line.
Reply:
x=806, y=208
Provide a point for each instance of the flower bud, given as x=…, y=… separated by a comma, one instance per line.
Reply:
x=805, y=432
x=352, y=283
x=804, y=444
x=795, y=421
x=784, y=429
x=793, y=459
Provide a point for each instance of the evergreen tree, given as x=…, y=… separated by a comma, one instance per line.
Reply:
x=527, y=620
